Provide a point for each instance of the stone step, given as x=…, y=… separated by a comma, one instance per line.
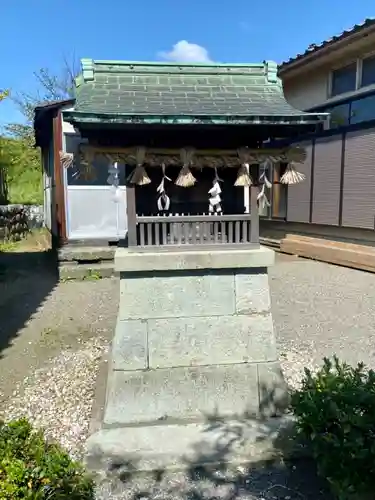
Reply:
x=187, y=446
x=93, y=271
x=86, y=254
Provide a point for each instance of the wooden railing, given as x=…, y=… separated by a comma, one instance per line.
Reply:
x=181, y=230
x=192, y=231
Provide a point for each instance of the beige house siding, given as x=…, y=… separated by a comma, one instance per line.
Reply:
x=327, y=172
x=306, y=91
x=299, y=195
x=359, y=180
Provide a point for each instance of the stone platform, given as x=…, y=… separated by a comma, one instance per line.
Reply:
x=194, y=343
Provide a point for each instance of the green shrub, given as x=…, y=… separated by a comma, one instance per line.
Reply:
x=31, y=468
x=335, y=412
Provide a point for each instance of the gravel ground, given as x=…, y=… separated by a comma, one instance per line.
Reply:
x=52, y=337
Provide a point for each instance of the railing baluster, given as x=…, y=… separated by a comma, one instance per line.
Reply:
x=223, y=231
x=216, y=232
x=149, y=233
x=178, y=228
x=187, y=227
x=201, y=232
x=230, y=231
x=142, y=234
x=157, y=234
x=237, y=232
x=194, y=229
x=244, y=231
x=164, y=233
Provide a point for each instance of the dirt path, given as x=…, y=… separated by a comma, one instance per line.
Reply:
x=40, y=317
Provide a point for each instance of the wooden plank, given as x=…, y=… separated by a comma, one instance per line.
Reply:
x=59, y=179
x=333, y=252
x=195, y=218
x=131, y=215
x=174, y=152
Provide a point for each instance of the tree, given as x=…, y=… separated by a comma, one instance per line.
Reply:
x=3, y=94
x=20, y=170
x=51, y=87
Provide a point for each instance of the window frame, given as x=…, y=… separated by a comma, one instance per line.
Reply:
x=338, y=68
x=369, y=55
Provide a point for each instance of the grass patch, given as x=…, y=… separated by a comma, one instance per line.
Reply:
x=37, y=240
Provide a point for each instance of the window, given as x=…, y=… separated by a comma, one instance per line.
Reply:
x=368, y=71
x=363, y=110
x=339, y=115
x=344, y=80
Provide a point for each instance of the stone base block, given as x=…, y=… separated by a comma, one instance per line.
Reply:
x=139, y=397
x=159, y=447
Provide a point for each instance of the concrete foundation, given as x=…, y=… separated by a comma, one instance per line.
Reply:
x=194, y=342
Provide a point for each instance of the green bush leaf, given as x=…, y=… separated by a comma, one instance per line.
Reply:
x=335, y=412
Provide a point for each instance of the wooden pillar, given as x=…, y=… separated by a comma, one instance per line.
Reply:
x=254, y=215
x=132, y=215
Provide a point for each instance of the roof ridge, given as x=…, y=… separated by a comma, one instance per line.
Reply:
x=176, y=64
x=266, y=68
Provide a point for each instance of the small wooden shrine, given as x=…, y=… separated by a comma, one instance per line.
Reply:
x=195, y=141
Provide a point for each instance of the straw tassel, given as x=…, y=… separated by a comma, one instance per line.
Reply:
x=243, y=176
x=66, y=159
x=292, y=176
x=139, y=175
x=185, y=177
x=164, y=202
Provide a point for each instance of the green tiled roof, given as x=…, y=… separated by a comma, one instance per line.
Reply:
x=120, y=91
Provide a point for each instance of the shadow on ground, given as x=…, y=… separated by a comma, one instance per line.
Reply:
x=275, y=464
x=26, y=280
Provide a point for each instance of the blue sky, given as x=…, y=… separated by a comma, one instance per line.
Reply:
x=40, y=33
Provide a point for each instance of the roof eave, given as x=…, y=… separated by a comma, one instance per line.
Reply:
x=76, y=118
x=326, y=48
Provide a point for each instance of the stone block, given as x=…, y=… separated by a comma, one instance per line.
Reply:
x=273, y=390
x=173, y=296
x=129, y=260
x=129, y=347
x=181, y=394
x=210, y=340
x=252, y=293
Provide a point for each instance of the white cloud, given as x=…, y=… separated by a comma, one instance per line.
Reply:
x=184, y=51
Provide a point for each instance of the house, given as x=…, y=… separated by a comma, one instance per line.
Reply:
x=336, y=76
x=90, y=146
